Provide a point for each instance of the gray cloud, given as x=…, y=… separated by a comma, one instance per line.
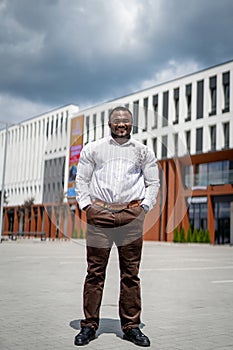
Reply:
x=55, y=52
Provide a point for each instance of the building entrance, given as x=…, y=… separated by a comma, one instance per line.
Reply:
x=222, y=214
x=222, y=233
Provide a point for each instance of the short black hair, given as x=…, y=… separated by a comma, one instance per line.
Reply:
x=120, y=108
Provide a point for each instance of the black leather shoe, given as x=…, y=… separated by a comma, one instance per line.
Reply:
x=136, y=336
x=85, y=336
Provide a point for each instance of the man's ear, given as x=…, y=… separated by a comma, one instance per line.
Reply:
x=109, y=124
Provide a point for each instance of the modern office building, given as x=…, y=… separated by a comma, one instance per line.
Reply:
x=188, y=122
x=36, y=151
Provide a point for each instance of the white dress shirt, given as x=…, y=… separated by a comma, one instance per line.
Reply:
x=117, y=173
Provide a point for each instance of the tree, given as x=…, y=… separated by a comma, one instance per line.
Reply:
x=28, y=203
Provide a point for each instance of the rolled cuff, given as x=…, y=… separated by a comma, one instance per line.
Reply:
x=83, y=204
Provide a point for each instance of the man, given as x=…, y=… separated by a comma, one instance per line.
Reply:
x=116, y=184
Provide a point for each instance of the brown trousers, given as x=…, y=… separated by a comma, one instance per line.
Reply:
x=125, y=230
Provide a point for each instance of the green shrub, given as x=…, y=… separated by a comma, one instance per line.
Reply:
x=182, y=235
x=176, y=237
x=189, y=235
x=75, y=233
x=206, y=236
x=200, y=236
x=195, y=235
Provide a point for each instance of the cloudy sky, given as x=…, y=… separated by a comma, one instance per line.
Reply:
x=56, y=52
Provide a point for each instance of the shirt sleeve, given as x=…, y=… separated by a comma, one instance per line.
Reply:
x=85, y=170
x=151, y=179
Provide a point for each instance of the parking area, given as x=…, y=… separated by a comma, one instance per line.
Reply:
x=187, y=294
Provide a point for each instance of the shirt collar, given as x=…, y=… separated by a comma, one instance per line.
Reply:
x=111, y=140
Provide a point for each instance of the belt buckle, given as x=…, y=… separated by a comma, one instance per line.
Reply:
x=113, y=209
x=106, y=205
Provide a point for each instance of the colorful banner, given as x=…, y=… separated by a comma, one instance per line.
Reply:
x=76, y=144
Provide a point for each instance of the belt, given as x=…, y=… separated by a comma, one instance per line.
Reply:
x=115, y=207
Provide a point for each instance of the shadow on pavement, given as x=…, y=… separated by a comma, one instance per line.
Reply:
x=107, y=325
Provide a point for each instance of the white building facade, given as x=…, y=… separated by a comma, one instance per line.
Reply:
x=36, y=148
x=189, y=115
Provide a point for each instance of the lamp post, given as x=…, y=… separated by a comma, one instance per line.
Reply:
x=3, y=182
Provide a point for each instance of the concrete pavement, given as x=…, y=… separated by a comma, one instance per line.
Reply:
x=187, y=294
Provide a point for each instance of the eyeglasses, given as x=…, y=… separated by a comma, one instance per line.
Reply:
x=119, y=121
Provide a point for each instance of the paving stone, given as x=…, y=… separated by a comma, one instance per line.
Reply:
x=187, y=295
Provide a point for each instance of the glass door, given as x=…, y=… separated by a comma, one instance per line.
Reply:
x=222, y=222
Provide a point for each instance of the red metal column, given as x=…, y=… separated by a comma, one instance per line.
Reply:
x=6, y=221
x=33, y=222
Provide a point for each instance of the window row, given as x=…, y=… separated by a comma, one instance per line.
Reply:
x=198, y=144
x=200, y=95
x=53, y=192
x=36, y=128
x=27, y=191
x=145, y=110
x=57, y=124
x=54, y=168
x=213, y=173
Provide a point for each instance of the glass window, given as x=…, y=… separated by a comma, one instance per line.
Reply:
x=87, y=127
x=155, y=110
x=201, y=176
x=176, y=150
x=188, y=176
x=135, y=115
x=47, y=129
x=199, y=140
x=226, y=132
x=226, y=91
x=203, y=215
x=165, y=108
x=57, y=117
x=61, y=121
x=198, y=213
x=164, y=146
x=155, y=145
x=176, y=105
x=145, y=105
x=213, y=95
x=52, y=125
x=214, y=173
x=94, y=126
x=213, y=138
x=188, y=140
x=200, y=99
x=66, y=120
x=102, y=123
x=189, y=101
x=222, y=222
